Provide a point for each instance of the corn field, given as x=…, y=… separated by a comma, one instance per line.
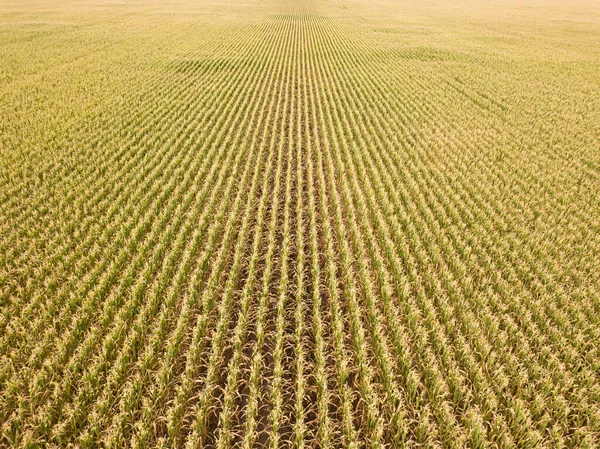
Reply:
x=300, y=223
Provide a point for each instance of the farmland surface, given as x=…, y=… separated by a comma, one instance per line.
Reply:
x=277, y=223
